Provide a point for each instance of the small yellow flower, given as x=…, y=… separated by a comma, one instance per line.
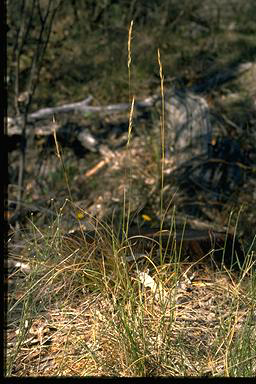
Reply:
x=80, y=215
x=146, y=218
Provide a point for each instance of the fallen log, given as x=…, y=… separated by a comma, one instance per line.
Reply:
x=197, y=245
x=14, y=124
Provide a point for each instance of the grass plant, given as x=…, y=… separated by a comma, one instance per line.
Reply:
x=85, y=310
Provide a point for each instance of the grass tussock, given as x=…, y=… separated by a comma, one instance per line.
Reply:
x=90, y=305
x=85, y=310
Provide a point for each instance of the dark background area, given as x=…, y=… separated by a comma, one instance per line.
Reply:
x=87, y=51
x=202, y=44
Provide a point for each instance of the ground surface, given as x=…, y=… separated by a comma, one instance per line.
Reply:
x=81, y=309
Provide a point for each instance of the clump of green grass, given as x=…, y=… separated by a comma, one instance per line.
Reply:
x=104, y=319
x=96, y=309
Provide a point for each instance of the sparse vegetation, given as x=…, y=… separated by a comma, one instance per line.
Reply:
x=85, y=310
x=88, y=301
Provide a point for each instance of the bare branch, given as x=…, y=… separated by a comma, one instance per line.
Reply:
x=81, y=106
x=22, y=101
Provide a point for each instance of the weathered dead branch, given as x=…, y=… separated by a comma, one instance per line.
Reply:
x=81, y=106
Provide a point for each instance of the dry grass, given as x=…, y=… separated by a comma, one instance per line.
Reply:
x=84, y=310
